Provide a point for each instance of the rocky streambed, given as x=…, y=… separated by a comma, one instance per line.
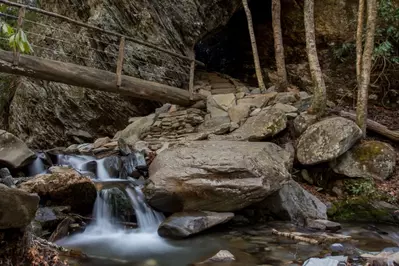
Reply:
x=180, y=185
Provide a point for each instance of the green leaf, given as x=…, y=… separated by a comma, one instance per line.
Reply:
x=23, y=36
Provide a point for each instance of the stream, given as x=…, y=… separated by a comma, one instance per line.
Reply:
x=106, y=242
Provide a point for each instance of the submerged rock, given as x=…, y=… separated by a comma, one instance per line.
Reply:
x=324, y=225
x=184, y=224
x=64, y=187
x=295, y=204
x=369, y=159
x=222, y=256
x=14, y=153
x=216, y=175
x=17, y=207
x=327, y=140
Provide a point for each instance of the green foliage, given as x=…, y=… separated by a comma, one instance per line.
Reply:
x=17, y=40
x=386, y=37
x=387, y=32
x=360, y=187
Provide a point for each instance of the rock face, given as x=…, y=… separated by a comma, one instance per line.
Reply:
x=369, y=159
x=69, y=114
x=13, y=152
x=184, y=224
x=17, y=207
x=295, y=204
x=327, y=140
x=216, y=175
x=267, y=123
x=64, y=187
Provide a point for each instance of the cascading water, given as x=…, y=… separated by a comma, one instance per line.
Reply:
x=104, y=236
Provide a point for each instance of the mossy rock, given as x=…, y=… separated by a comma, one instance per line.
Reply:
x=368, y=159
x=362, y=209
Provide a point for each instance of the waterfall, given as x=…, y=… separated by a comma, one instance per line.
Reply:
x=37, y=167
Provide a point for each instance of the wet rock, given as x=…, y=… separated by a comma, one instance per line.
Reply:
x=101, y=142
x=184, y=224
x=6, y=177
x=216, y=175
x=327, y=140
x=64, y=186
x=368, y=159
x=124, y=148
x=267, y=123
x=337, y=248
x=128, y=168
x=257, y=101
x=239, y=113
x=295, y=204
x=303, y=121
x=324, y=225
x=132, y=133
x=322, y=262
x=17, y=207
x=222, y=256
x=112, y=165
x=14, y=153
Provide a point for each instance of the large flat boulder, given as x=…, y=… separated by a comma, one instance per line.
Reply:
x=64, y=187
x=369, y=159
x=293, y=203
x=217, y=176
x=13, y=152
x=185, y=224
x=17, y=207
x=267, y=123
x=327, y=140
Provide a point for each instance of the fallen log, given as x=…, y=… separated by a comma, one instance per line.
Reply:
x=82, y=76
x=313, y=238
x=374, y=126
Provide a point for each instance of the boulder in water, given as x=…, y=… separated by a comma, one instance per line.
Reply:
x=327, y=140
x=14, y=153
x=17, y=207
x=295, y=204
x=218, y=176
x=184, y=224
x=369, y=159
x=65, y=187
x=223, y=256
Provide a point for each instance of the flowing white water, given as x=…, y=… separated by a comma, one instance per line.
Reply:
x=37, y=167
x=105, y=235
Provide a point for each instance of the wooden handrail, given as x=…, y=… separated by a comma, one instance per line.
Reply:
x=55, y=15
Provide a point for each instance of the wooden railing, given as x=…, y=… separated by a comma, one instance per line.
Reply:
x=190, y=60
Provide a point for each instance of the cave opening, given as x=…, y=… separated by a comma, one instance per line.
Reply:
x=228, y=49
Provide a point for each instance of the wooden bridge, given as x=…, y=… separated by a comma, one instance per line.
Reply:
x=56, y=69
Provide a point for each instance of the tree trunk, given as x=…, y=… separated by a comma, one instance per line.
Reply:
x=278, y=45
x=258, y=70
x=362, y=96
x=359, y=40
x=319, y=95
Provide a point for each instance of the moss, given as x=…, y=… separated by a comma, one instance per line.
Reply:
x=367, y=151
x=358, y=209
x=276, y=125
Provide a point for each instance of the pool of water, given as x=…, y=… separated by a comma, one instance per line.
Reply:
x=254, y=245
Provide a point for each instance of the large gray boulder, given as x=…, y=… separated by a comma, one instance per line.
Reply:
x=266, y=124
x=17, y=207
x=184, y=224
x=217, y=176
x=327, y=140
x=13, y=152
x=293, y=203
x=369, y=159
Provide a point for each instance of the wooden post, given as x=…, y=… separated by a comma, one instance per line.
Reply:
x=21, y=15
x=192, y=71
x=119, y=65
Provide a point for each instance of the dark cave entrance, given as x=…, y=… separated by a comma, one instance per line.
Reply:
x=228, y=50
